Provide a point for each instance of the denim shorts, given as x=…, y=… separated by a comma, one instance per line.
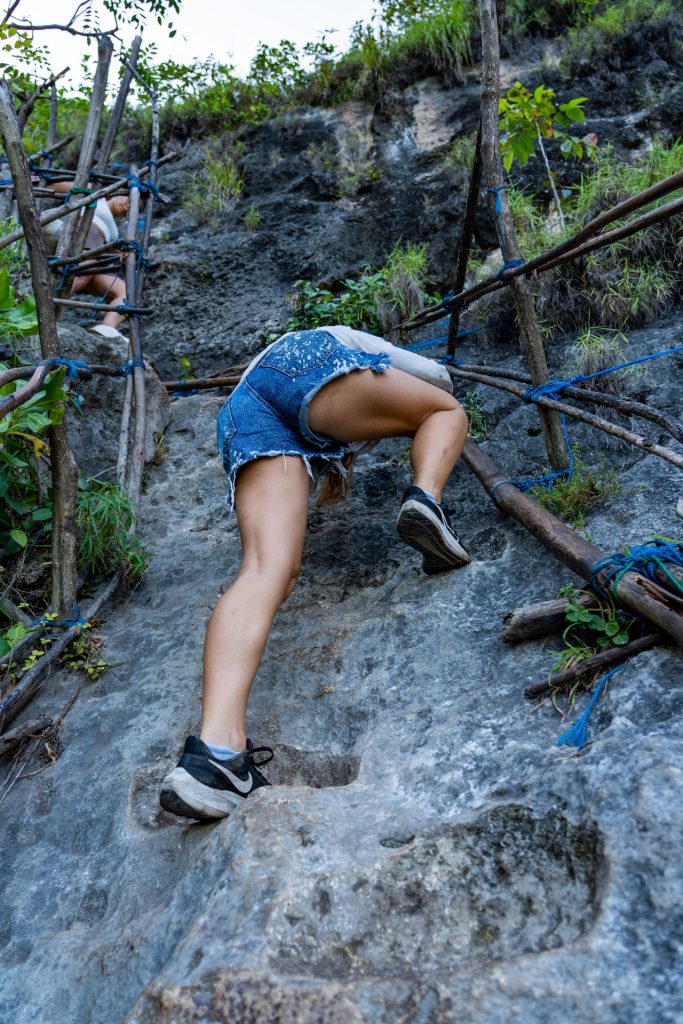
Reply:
x=267, y=413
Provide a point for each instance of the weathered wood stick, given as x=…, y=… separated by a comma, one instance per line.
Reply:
x=531, y=342
x=627, y=406
x=149, y=198
x=137, y=456
x=87, y=254
x=200, y=384
x=104, y=155
x=26, y=731
x=106, y=307
x=14, y=612
x=636, y=593
x=63, y=465
x=71, y=230
x=638, y=440
x=534, y=620
x=26, y=687
x=562, y=253
x=74, y=205
x=589, y=666
x=466, y=235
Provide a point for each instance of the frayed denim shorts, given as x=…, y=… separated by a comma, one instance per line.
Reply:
x=267, y=413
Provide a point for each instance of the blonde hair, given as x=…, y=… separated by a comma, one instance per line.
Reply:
x=337, y=485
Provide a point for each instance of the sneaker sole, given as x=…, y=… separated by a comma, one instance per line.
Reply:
x=419, y=527
x=183, y=795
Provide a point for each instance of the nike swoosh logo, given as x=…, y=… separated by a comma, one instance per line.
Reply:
x=240, y=785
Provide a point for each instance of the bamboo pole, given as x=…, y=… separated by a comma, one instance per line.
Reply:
x=137, y=455
x=530, y=334
x=64, y=471
x=106, y=307
x=636, y=593
x=626, y=406
x=105, y=151
x=200, y=384
x=70, y=232
x=591, y=666
x=606, y=426
x=465, y=242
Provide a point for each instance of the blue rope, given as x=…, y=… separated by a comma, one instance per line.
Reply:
x=642, y=558
x=554, y=387
x=508, y=264
x=129, y=366
x=144, y=186
x=72, y=620
x=577, y=735
x=549, y=479
x=6, y=181
x=443, y=338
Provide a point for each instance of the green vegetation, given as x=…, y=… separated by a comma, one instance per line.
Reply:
x=252, y=218
x=597, y=349
x=347, y=172
x=477, y=424
x=622, y=285
x=377, y=301
x=215, y=189
x=104, y=517
x=571, y=499
x=588, y=632
x=610, y=25
x=460, y=156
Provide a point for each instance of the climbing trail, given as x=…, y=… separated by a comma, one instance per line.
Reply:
x=407, y=759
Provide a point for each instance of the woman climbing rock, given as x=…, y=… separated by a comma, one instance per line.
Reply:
x=304, y=408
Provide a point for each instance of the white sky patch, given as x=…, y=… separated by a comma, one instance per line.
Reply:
x=229, y=31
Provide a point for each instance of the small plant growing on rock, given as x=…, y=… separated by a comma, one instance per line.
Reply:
x=104, y=517
x=571, y=499
x=597, y=349
x=215, y=189
x=252, y=218
x=477, y=424
x=460, y=155
x=527, y=118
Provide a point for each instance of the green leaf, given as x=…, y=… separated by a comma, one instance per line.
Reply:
x=620, y=638
x=612, y=627
x=39, y=515
x=19, y=537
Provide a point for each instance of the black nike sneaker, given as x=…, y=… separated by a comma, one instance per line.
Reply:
x=202, y=787
x=424, y=525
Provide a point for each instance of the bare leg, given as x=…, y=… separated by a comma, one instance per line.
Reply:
x=114, y=288
x=272, y=509
x=366, y=406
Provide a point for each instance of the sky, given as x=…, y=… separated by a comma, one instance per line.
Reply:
x=227, y=29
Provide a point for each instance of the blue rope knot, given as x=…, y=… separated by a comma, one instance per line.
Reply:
x=642, y=558
x=129, y=366
x=71, y=620
x=151, y=163
x=72, y=366
x=6, y=181
x=508, y=264
x=144, y=186
x=577, y=735
x=551, y=387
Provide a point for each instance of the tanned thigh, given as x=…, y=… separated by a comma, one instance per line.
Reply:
x=271, y=500
x=366, y=406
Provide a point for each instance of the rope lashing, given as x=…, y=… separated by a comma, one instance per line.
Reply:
x=129, y=366
x=7, y=182
x=143, y=186
x=642, y=558
x=72, y=366
x=508, y=264
x=74, y=619
x=151, y=163
x=81, y=192
x=554, y=387
x=577, y=735
x=548, y=480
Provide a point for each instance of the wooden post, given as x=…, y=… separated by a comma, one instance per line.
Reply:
x=465, y=243
x=530, y=334
x=104, y=154
x=64, y=472
x=69, y=232
x=137, y=457
x=636, y=593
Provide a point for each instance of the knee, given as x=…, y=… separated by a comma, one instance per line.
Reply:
x=279, y=579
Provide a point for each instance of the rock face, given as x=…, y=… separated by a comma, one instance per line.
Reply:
x=426, y=853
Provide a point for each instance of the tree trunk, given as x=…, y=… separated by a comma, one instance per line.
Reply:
x=64, y=472
x=530, y=335
x=465, y=243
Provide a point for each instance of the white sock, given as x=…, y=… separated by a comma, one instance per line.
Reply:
x=223, y=753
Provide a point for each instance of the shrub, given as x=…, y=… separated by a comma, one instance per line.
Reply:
x=571, y=499
x=608, y=26
x=104, y=517
x=215, y=189
x=376, y=301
